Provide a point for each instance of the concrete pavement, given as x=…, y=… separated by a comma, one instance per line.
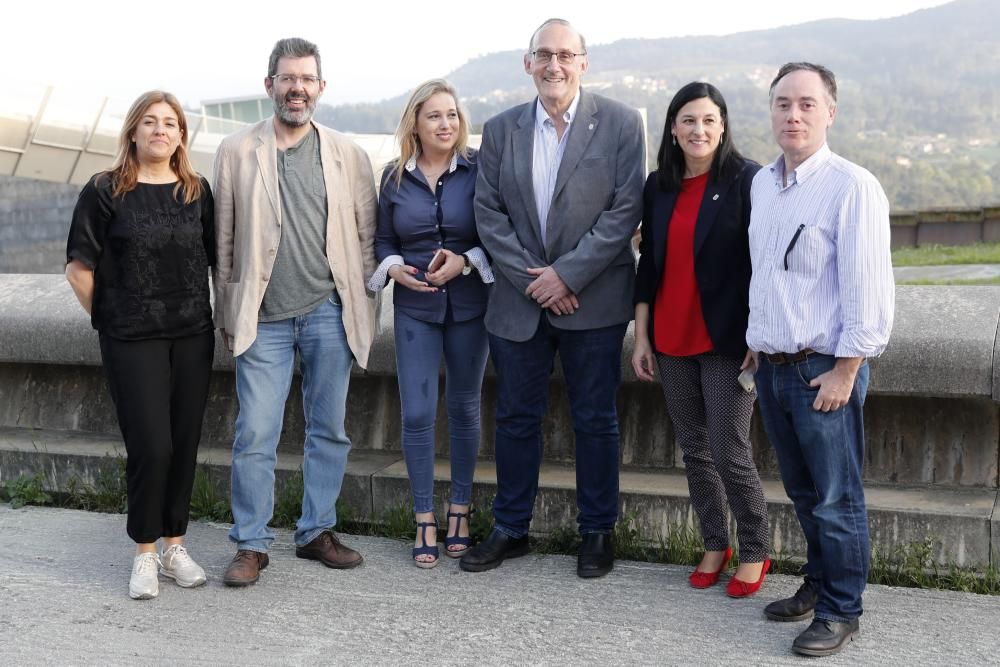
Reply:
x=63, y=600
x=946, y=272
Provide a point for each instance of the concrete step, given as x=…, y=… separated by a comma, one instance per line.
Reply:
x=961, y=524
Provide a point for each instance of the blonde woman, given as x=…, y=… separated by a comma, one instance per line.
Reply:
x=426, y=241
x=139, y=251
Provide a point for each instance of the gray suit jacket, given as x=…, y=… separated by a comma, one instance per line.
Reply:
x=596, y=206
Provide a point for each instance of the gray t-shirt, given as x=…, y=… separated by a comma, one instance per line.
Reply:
x=301, y=278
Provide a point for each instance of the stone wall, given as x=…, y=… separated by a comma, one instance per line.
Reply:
x=34, y=223
x=932, y=417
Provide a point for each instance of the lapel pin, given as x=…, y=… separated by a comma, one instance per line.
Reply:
x=715, y=198
x=590, y=127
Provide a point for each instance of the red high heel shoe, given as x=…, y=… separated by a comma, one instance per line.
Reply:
x=707, y=579
x=737, y=588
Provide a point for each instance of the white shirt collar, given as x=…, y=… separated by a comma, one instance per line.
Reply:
x=541, y=115
x=804, y=170
x=411, y=164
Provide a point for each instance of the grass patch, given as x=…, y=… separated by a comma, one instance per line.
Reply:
x=395, y=522
x=914, y=566
x=207, y=504
x=930, y=255
x=481, y=521
x=110, y=491
x=28, y=490
x=563, y=540
x=288, y=502
x=682, y=546
x=107, y=493
x=958, y=281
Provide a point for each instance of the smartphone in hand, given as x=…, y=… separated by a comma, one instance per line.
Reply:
x=437, y=261
x=746, y=380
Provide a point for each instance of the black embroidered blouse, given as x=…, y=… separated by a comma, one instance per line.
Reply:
x=150, y=254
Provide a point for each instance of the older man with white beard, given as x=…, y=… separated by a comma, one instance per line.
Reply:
x=295, y=226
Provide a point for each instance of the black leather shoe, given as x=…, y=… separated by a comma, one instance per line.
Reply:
x=799, y=607
x=492, y=551
x=597, y=555
x=824, y=637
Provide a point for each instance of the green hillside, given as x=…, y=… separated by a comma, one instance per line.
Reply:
x=919, y=94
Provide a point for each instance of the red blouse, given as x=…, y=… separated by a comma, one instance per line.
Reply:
x=678, y=324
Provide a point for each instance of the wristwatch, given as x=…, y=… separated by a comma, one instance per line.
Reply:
x=467, y=269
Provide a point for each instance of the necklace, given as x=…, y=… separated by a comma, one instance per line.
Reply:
x=433, y=173
x=430, y=170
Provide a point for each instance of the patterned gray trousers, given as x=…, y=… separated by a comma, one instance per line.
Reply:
x=710, y=412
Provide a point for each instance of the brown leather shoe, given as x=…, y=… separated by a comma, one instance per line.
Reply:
x=327, y=549
x=244, y=569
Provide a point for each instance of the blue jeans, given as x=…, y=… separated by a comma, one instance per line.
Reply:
x=263, y=378
x=419, y=348
x=591, y=361
x=821, y=455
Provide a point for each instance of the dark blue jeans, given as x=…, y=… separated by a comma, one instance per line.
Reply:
x=420, y=346
x=591, y=361
x=821, y=455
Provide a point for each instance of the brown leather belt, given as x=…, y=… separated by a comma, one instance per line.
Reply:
x=781, y=358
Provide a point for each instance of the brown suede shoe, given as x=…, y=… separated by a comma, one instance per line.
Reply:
x=244, y=568
x=327, y=549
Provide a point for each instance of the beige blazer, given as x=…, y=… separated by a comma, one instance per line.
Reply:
x=248, y=229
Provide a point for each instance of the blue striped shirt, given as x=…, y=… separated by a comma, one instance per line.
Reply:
x=822, y=272
x=547, y=155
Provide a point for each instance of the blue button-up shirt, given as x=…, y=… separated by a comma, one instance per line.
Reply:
x=547, y=155
x=414, y=222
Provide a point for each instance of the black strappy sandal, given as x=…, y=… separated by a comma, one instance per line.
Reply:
x=455, y=540
x=427, y=549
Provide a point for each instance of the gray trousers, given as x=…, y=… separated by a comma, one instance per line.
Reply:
x=710, y=412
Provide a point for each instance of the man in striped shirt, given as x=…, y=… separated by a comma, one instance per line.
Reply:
x=821, y=303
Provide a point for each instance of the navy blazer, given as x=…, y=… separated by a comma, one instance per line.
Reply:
x=722, y=254
x=414, y=222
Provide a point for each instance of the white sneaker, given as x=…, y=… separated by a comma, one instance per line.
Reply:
x=143, y=585
x=179, y=566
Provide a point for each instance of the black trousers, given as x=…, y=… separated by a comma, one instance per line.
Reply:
x=159, y=387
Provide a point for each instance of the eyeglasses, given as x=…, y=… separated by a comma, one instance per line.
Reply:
x=543, y=57
x=308, y=81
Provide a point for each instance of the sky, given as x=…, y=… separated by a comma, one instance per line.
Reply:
x=371, y=49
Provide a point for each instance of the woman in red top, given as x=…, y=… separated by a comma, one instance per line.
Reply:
x=691, y=307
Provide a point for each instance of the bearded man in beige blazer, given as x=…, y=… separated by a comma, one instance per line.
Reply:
x=295, y=228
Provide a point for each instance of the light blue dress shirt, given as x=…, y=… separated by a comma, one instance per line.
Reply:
x=547, y=156
x=822, y=270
